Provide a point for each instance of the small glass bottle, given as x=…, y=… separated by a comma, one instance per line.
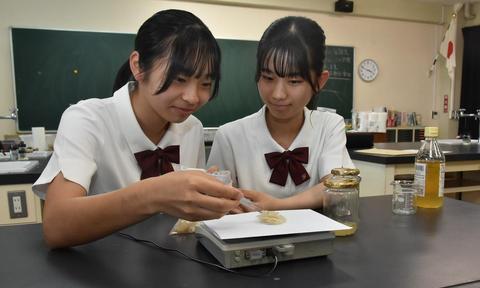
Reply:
x=223, y=176
x=22, y=151
x=13, y=152
x=341, y=201
x=430, y=171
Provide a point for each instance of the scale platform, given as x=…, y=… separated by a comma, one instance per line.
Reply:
x=235, y=253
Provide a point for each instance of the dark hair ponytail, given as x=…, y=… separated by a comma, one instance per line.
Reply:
x=124, y=75
x=181, y=38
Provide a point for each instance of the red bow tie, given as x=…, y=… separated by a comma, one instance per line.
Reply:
x=288, y=161
x=148, y=161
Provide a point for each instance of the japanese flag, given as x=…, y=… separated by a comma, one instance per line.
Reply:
x=448, y=47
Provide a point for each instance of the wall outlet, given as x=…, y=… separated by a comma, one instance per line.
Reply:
x=17, y=204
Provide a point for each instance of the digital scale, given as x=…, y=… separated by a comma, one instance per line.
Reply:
x=235, y=253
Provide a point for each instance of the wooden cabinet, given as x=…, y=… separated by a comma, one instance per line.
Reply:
x=460, y=177
x=405, y=134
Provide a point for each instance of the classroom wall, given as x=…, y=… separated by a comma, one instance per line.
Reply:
x=403, y=49
x=413, y=10
x=474, y=11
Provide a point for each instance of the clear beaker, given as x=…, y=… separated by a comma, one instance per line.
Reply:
x=403, y=198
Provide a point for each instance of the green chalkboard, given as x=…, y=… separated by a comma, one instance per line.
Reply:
x=54, y=69
x=338, y=92
x=237, y=95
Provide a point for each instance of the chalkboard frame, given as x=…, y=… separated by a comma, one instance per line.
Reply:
x=245, y=92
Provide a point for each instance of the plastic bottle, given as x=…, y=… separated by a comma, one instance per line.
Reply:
x=430, y=171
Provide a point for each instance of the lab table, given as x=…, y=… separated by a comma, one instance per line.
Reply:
x=22, y=182
x=379, y=171
x=433, y=248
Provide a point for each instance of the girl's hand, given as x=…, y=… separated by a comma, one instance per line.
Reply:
x=191, y=195
x=260, y=199
x=212, y=169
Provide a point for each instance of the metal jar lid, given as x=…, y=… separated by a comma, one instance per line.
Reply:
x=345, y=171
x=337, y=182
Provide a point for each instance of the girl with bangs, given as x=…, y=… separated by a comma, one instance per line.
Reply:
x=281, y=155
x=116, y=160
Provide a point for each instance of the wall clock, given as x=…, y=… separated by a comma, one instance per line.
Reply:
x=368, y=70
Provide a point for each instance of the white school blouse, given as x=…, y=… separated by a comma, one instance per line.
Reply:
x=97, y=138
x=240, y=146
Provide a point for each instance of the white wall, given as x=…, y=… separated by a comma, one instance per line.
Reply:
x=413, y=10
x=403, y=49
x=475, y=10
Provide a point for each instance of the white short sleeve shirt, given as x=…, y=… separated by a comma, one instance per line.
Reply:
x=240, y=146
x=97, y=138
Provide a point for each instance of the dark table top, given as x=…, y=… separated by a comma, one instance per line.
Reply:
x=433, y=248
x=457, y=152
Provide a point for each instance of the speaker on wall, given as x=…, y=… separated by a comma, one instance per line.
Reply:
x=344, y=6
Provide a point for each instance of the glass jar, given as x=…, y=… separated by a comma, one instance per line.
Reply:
x=348, y=172
x=341, y=201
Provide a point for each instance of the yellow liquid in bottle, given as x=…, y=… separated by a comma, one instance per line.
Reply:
x=347, y=232
x=431, y=199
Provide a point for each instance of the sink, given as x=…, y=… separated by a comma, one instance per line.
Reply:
x=9, y=167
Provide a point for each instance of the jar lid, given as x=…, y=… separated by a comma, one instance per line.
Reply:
x=342, y=182
x=345, y=171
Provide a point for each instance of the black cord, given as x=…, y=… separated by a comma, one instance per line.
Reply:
x=152, y=243
x=462, y=284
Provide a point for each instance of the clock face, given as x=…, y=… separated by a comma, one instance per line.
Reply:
x=368, y=70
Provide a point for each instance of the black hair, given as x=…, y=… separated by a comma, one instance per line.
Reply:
x=296, y=46
x=181, y=38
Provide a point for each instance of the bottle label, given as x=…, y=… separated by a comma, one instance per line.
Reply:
x=420, y=171
x=441, y=184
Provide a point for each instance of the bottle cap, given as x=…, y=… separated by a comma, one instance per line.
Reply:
x=431, y=132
